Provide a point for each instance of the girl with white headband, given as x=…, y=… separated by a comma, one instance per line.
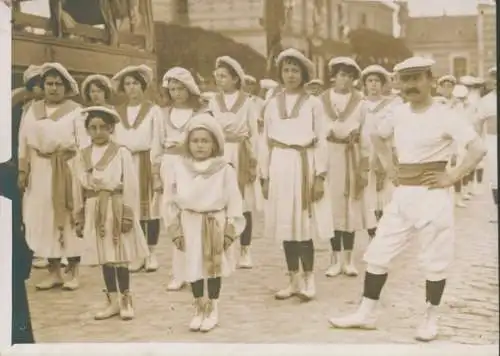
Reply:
x=50, y=134
x=348, y=163
x=140, y=130
x=238, y=116
x=183, y=102
x=106, y=213
x=377, y=192
x=204, y=215
x=293, y=166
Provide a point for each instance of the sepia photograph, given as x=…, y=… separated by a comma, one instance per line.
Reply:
x=282, y=176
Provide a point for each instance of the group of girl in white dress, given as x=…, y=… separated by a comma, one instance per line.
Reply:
x=99, y=181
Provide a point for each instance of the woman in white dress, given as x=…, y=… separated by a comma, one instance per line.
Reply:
x=348, y=167
x=106, y=213
x=139, y=130
x=204, y=212
x=378, y=191
x=238, y=115
x=183, y=97
x=293, y=166
x=97, y=90
x=50, y=134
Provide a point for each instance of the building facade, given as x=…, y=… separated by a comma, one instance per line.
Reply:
x=486, y=36
x=451, y=41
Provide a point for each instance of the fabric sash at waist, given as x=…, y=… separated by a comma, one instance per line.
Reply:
x=117, y=209
x=304, y=162
x=247, y=163
x=62, y=186
x=145, y=183
x=351, y=162
x=412, y=174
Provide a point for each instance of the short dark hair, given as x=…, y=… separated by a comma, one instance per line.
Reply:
x=137, y=76
x=346, y=68
x=303, y=70
x=104, y=116
x=100, y=85
x=55, y=73
x=232, y=72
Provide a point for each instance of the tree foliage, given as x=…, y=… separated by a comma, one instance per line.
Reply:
x=372, y=47
x=196, y=49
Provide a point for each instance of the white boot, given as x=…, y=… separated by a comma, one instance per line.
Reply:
x=308, y=291
x=151, y=263
x=349, y=269
x=362, y=319
x=53, y=280
x=112, y=308
x=211, y=315
x=466, y=195
x=126, y=307
x=245, y=258
x=292, y=289
x=175, y=285
x=336, y=265
x=459, y=201
x=428, y=329
x=197, y=320
x=40, y=263
x=72, y=283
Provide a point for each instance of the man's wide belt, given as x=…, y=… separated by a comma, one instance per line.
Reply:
x=412, y=174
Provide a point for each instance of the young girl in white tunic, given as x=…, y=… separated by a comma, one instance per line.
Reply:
x=348, y=164
x=183, y=97
x=50, y=133
x=377, y=192
x=204, y=214
x=97, y=90
x=140, y=130
x=106, y=213
x=238, y=116
x=293, y=165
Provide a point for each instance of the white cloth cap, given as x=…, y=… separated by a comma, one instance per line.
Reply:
x=268, y=83
x=460, y=91
x=447, y=78
x=492, y=70
x=348, y=61
x=250, y=79
x=96, y=77
x=31, y=72
x=316, y=81
x=184, y=76
x=143, y=70
x=233, y=63
x=298, y=55
x=102, y=109
x=207, y=122
x=414, y=64
x=64, y=72
x=375, y=69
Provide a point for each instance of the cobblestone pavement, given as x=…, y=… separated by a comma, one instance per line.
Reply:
x=249, y=313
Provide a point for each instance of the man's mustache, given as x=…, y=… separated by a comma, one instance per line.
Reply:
x=412, y=91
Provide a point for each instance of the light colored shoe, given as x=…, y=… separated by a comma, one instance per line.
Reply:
x=428, y=329
x=245, y=258
x=292, y=289
x=137, y=266
x=361, y=319
x=175, y=285
x=308, y=292
x=40, y=263
x=151, y=263
x=72, y=283
x=335, y=266
x=197, y=319
x=52, y=281
x=350, y=270
x=112, y=308
x=211, y=315
x=459, y=201
x=126, y=307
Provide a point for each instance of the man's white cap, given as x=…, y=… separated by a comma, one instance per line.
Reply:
x=468, y=80
x=348, y=61
x=460, y=91
x=316, y=81
x=447, y=78
x=234, y=64
x=298, y=55
x=268, y=83
x=375, y=69
x=250, y=79
x=492, y=70
x=102, y=109
x=414, y=64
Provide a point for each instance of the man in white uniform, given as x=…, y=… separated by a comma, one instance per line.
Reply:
x=422, y=205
